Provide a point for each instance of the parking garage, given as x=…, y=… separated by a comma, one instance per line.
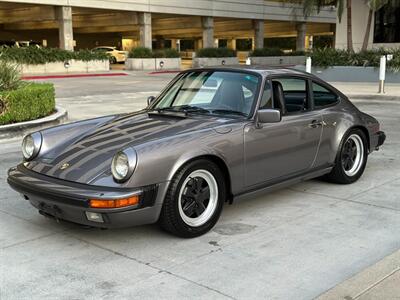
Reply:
x=239, y=26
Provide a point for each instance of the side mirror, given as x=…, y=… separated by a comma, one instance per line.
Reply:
x=269, y=116
x=150, y=100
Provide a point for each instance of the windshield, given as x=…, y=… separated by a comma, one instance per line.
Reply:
x=211, y=92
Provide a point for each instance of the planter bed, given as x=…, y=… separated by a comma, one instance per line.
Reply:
x=152, y=64
x=199, y=62
x=59, y=116
x=277, y=60
x=75, y=66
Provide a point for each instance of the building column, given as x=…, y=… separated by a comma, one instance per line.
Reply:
x=301, y=36
x=65, y=30
x=232, y=44
x=208, y=32
x=258, y=33
x=145, y=39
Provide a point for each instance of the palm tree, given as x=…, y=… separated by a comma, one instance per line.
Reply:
x=373, y=5
x=311, y=6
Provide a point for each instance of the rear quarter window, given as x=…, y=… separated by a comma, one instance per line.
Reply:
x=323, y=97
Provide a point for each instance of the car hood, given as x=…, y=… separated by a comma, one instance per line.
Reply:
x=86, y=158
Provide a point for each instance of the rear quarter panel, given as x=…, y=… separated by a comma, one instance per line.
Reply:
x=339, y=119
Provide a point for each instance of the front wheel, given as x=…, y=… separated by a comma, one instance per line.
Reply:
x=351, y=159
x=194, y=200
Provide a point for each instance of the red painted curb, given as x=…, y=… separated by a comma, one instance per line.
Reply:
x=72, y=76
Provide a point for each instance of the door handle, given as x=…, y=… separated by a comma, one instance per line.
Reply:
x=315, y=124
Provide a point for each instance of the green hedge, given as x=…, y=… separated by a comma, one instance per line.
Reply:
x=273, y=52
x=328, y=57
x=30, y=101
x=215, y=52
x=38, y=56
x=142, y=52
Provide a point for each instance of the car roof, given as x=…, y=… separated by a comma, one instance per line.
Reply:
x=110, y=47
x=263, y=70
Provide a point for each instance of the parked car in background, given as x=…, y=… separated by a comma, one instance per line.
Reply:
x=19, y=44
x=116, y=56
x=29, y=44
x=213, y=135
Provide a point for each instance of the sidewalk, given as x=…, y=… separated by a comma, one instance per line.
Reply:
x=368, y=90
x=380, y=281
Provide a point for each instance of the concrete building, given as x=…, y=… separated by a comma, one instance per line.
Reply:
x=186, y=25
x=384, y=31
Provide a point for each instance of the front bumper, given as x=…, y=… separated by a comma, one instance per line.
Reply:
x=69, y=201
x=378, y=139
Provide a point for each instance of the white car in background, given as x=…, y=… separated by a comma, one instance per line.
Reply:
x=116, y=56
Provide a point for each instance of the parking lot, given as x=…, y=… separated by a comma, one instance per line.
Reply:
x=295, y=243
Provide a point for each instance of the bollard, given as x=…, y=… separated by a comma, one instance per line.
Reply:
x=308, y=65
x=382, y=73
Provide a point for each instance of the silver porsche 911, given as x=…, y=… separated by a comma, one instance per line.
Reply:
x=212, y=136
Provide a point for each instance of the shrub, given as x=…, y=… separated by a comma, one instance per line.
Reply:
x=10, y=78
x=38, y=56
x=327, y=57
x=274, y=52
x=30, y=101
x=215, y=52
x=140, y=52
x=266, y=52
x=171, y=53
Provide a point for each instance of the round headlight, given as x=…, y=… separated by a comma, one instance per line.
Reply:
x=123, y=164
x=31, y=145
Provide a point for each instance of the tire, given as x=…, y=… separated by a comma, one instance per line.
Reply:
x=186, y=212
x=349, y=166
x=113, y=60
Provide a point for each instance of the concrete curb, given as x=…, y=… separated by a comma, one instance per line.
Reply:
x=22, y=128
x=368, y=281
x=373, y=97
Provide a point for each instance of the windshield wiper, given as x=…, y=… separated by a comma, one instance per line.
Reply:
x=228, y=112
x=182, y=109
x=192, y=109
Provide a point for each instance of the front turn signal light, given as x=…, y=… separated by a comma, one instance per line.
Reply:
x=97, y=203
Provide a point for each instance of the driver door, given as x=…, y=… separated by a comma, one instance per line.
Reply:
x=276, y=151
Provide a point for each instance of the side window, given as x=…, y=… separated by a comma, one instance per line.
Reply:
x=292, y=92
x=322, y=96
x=266, y=100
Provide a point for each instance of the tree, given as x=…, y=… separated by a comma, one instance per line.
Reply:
x=373, y=5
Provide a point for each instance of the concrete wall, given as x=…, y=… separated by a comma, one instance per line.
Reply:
x=278, y=60
x=152, y=64
x=199, y=62
x=251, y=9
x=359, y=22
x=75, y=66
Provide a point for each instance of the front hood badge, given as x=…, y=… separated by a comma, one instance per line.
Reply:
x=64, y=166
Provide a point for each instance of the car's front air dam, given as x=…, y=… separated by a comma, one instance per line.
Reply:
x=60, y=200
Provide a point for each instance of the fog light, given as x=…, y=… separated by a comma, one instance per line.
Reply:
x=94, y=217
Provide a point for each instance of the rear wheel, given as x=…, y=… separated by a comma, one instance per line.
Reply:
x=351, y=159
x=194, y=199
